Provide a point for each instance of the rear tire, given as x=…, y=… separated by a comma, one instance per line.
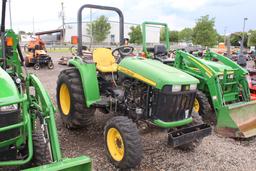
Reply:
x=41, y=153
x=197, y=120
x=122, y=142
x=72, y=108
x=205, y=110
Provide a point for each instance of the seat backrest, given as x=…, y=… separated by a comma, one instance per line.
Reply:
x=159, y=50
x=103, y=57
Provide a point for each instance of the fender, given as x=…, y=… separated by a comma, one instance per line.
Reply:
x=89, y=80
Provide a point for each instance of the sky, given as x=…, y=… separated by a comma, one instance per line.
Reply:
x=178, y=14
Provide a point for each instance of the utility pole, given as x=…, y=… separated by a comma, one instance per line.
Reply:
x=91, y=40
x=63, y=21
x=10, y=13
x=33, y=25
x=241, y=61
x=242, y=44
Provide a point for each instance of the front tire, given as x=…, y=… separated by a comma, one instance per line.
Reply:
x=203, y=107
x=41, y=153
x=37, y=66
x=122, y=142
x=50, y=64
x=71, y=100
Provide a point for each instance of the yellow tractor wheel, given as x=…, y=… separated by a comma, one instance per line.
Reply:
x=71, y=100
x=204, y=108
x=122, y=142
x=64, y=99
x=196, y=105
x=115, y=144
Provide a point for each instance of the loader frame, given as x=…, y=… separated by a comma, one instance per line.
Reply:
x=230, y=98
x=33, y=102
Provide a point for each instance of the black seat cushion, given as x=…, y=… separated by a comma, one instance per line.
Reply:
x=159, y=50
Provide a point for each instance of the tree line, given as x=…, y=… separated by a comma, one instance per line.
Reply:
x=204, y=33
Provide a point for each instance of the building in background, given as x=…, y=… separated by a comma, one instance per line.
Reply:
x=153, y=33
x=55, y=37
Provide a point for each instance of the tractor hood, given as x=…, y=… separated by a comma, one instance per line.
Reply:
x=8, y=89
x=218, y=67
x=154, y=72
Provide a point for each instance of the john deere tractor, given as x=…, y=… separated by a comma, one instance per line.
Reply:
x=133, y=89
x=223, y=97
x=28, y=134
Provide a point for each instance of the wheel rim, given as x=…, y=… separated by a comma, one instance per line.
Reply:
x=64, y=99
x=115, y=144
x=196, y=106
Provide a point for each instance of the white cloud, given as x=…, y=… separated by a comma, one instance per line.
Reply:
x=176, y=23
x=187, y=5
x=177, y=13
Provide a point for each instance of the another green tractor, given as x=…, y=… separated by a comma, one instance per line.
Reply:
x=133, y=89
x=223, y=97
x=28, y=134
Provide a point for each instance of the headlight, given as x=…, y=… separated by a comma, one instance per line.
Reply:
x=176, y=88
x=167, y=89
x=9, y=108
x=193, y=86
x=231, y=76
x=221, y=77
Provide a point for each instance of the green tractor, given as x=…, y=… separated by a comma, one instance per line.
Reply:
x=28, y=134
x=223, y=97
x=135, y=90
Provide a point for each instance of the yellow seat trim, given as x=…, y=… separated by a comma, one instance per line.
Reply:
x=105, y=61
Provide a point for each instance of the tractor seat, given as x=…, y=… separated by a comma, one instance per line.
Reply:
x=160, y=50
x=105, y=61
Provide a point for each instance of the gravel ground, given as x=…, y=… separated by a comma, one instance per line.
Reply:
x=215, y=153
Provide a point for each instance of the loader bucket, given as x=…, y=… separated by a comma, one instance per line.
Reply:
x=82, y=163
x=237, y=120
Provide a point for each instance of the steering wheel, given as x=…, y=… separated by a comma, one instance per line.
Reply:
x=122, y=52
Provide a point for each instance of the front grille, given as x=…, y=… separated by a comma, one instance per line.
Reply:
x=170, y=107
x=7, y=119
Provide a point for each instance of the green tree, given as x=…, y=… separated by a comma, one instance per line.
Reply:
x=162, y=34
x=186, y=35
x=204, y=32
x=236, y=38
x=99, y=29
x=135, y=34
x=252, y=39
x=174, y=36
x=220, y=38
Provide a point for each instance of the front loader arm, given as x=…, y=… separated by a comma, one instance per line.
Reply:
x=41, y=101
x=226, y=61
x=196, y=65
x=206, y=75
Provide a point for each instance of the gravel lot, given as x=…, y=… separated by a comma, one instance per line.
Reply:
x=215, y=153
